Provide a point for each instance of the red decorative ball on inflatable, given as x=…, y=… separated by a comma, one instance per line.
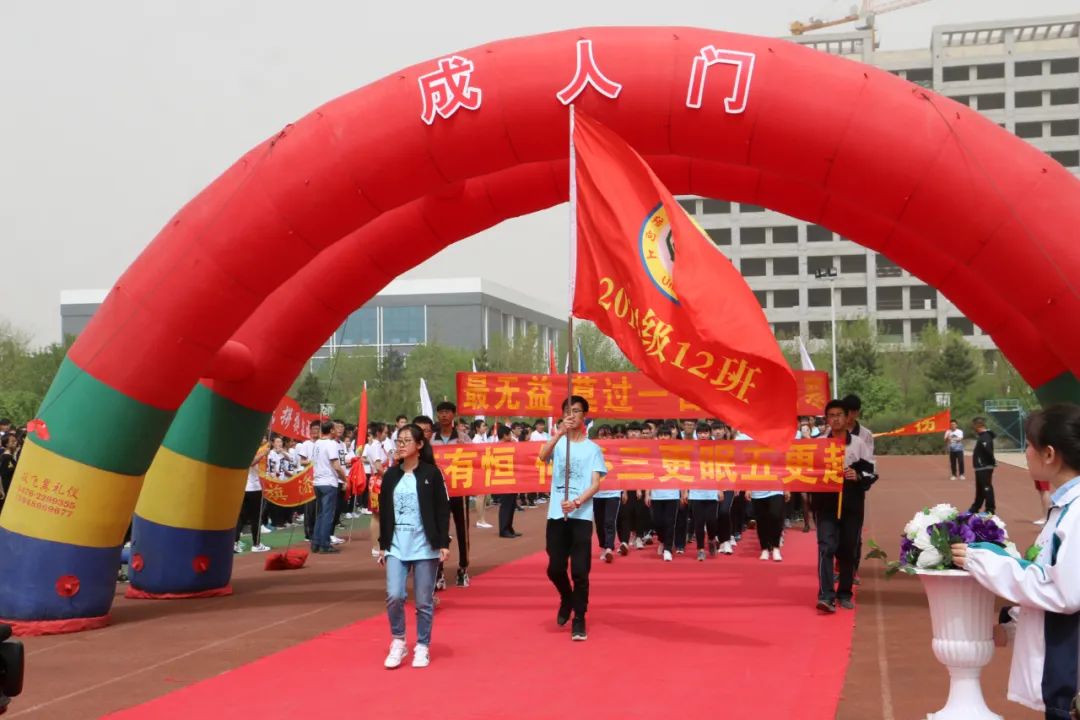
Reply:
x=67, y=586
x=201, y=563
x=136, y=562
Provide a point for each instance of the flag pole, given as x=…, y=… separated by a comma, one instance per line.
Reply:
x=570, y=288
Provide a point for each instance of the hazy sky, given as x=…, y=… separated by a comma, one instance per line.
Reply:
x=115, y=113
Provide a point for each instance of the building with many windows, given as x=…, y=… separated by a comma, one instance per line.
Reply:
x=1023, y=75
x=459, y=312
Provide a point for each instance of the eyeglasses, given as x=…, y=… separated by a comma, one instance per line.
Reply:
x=405, y=441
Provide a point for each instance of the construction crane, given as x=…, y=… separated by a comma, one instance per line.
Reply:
x=864, y=13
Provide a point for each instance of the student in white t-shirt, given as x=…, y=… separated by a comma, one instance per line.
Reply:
x=304, y=452
x=328, y=473
x=539, y=433
x=251, y=508
x=375, y=464
x=954, y=443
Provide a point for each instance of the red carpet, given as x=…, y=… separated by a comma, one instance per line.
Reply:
x=730, y=637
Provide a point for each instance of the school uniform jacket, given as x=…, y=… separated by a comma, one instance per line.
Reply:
x=1045, y=672
x=433, y=500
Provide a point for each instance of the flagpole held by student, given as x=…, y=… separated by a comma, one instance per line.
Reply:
x=570, y=523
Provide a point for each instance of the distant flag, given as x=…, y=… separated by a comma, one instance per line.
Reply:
x=566, y=367
x=807, y=363
x=425, y=400
x=551, y=358
x=580, y=358
x=362, y=422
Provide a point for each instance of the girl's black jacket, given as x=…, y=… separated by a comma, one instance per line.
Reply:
x=433, y=500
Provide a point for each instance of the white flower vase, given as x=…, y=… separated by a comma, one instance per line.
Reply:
x=962, y=614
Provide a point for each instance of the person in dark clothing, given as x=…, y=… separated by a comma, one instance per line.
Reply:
x=9, y=443
x=984, y=462
x=507, y=501
x=839, y=527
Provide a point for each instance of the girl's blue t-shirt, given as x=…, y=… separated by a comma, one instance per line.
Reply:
x=410, y=542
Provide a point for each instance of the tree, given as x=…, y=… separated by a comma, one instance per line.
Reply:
x=952, y=369
x=309, y=393
x=857, y=352
x=600, y=352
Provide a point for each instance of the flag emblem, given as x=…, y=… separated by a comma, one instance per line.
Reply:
x=657, y=250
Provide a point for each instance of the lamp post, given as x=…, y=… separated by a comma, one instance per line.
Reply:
x=831, y=276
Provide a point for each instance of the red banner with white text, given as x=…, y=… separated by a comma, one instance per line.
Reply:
x=514, y=467
x=289, y=420
x=616, y=395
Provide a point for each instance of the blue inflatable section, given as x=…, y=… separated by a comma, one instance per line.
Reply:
x=177, y=561
x=46, y=571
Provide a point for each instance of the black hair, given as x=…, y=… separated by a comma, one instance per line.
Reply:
x=703, y=427
x=426, y=453
x=446, y=405
x=575, y=399
x=401, y=417
x=980, y=420
x=327, y=427
x=315, y=423
x=502, y=432
x=475, y=427
x=5, y=421
x=635, y=425
x=1057, y=426
x=852, y=402
x=421, y=419
x=838, y=404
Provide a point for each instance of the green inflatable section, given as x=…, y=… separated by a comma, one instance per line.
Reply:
x=73, y=411
x=216, y=430
x=1064, y=388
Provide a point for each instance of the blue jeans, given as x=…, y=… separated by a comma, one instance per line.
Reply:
x=424, y=571
x=326, y=497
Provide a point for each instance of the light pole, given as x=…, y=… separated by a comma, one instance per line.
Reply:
x=831, y=276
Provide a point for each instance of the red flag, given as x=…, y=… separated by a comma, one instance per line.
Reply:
x=362, y=423
x=551, y=359
x=936, y=423
x=678, y=309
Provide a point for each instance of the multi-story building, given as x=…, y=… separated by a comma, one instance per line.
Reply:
x=458, y=312
x=1023, y=75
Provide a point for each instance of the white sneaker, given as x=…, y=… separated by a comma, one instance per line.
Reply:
x=952, y=477
x=261, y=548
x=238, y=547
x=267, y=529
x=398, y=651
x=776, y=555
x=335, y=540
x=667, y=556
x=479, y=524
x=349, y=516
x=764, y=555
x=365, y=511
x=962, y=477
x=420, y=658
x=639, y=543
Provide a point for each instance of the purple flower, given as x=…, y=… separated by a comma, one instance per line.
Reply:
x=906, y=546
x=986, y=530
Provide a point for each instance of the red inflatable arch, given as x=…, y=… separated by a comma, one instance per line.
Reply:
x=443, y=149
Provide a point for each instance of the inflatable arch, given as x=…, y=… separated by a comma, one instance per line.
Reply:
x=179, y=361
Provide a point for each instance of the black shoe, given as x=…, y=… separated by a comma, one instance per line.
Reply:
x=509, y=535
x=329, y=551
x=577, y=631
x=826, y=606
x=847, y=604
x=462, y=578
x=563, y=615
